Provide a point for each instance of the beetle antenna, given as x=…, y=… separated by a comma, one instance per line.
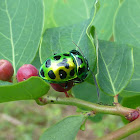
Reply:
x=78, y=48
x=96, y=84
x=90, y=71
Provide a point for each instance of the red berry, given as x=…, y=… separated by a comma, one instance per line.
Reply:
x=26, y=71
x=133, y=116
x=62, y=87
x=6, y=70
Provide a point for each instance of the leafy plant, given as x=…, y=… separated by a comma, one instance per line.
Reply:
x=106, y=31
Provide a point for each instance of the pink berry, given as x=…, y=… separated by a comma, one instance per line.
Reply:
x=6, y=70
x=26, y=71
x=62, y=87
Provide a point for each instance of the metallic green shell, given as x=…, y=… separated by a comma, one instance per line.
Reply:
x=61, y=68
x=65, y=63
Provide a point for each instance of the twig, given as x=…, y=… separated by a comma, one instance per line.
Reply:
x=114, y=110
x=128, y=113
x=123, y=132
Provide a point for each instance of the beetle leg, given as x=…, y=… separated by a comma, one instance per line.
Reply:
x=66, y=85
x=66, y=93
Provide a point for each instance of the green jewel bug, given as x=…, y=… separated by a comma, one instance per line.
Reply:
x=65, y=67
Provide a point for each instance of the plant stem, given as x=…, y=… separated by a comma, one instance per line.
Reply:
x=66, y=94
x=14, y=79
x=123, y=132
x=116, y=99
x=114, y=110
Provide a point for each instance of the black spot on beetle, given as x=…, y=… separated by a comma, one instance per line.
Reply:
x=75, y=52
x=51, y=74
x=48, y=63
x=57, y=57
x=79, y=61
x=81, y=70
x=62, y=74
x=42, y=73
x=66, y=54
x=72, y=72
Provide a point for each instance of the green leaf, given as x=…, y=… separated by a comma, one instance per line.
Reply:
x=66, y=12
x=127, y=23
x=88, y=92
x=126, y=30
x=115, y=67
x=133, y=88
x=21, y=24
x=66, y=129
x=97, y=118
x=36, y=62
x=32, y=88
x=5, y=83
x=104, y=18
x=85, y=91
x=131, y=102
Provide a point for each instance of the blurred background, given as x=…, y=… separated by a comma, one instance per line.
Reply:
x=25, y=120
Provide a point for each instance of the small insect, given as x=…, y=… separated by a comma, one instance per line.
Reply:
x=62, y=68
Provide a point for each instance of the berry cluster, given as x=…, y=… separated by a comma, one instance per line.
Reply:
x=23, y=73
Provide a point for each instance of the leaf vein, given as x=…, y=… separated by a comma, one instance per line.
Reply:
x=109, y=76
x=11, y=37
x=81, y=35
x=5, y=36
